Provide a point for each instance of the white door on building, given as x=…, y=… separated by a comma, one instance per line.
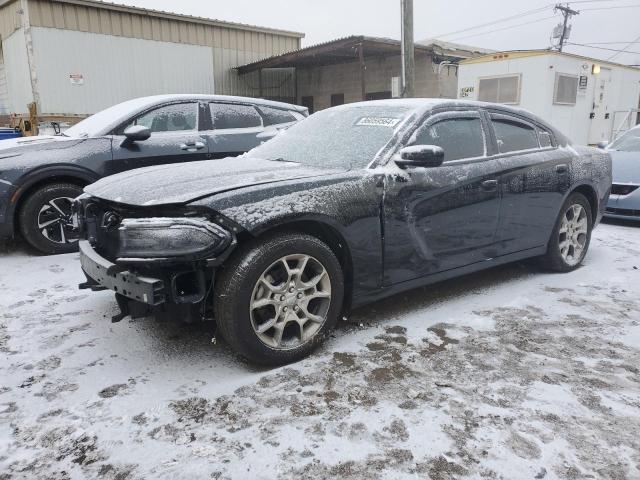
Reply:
x=600, y=129
x=4, y=91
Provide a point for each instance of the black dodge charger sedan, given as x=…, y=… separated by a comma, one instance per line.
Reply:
x=40, y=176
x=353, y=204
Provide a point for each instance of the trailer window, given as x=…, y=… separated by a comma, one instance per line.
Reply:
x=565, y=91
x=504, y=89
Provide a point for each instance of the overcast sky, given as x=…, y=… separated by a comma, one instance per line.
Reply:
x=323, y=20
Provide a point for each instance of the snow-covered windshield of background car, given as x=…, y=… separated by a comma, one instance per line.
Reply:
x=629, y=142
x=105, y=119
x=349, y=136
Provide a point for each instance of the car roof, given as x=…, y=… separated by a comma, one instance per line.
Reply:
x=423, y=105
x=151, y=100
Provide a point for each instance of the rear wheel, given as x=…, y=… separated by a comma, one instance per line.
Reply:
x=278, y=297
x=571, y=236
x=46, y=221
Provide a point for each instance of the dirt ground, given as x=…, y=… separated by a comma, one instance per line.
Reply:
x=507, y=374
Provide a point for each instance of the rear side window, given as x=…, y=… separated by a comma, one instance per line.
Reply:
x=275, y=116
x=228, y=115
x=459, y=137
x=513, y=136
x=178, y=117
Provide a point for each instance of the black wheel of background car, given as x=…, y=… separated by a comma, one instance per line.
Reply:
x=278, y=297
x=571, y=235
x=45, y=219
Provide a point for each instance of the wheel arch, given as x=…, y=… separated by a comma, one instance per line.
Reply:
x=590, y=194
x=325, y=230
x=43, y=177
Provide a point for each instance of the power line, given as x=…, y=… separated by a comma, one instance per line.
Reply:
x=586, y=45
x=621, y=51
x=605, y=43
x=500, y=20
x=504, y=28
x=615, y=7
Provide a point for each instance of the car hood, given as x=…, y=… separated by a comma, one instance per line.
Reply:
x=626, y=166
x=185, y=182
x=26, y=142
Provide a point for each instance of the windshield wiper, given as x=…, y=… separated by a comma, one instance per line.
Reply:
x=280, y=159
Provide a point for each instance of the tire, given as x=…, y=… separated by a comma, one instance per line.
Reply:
x=45, y=219
x=256, y=275
x=563, y=254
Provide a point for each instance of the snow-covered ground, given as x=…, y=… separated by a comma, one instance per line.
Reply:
x=511, y=373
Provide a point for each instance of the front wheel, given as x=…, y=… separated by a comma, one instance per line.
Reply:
x=278, y=297
x=571, y=235
x=46, y=221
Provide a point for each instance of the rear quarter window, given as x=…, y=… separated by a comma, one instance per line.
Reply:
x=275, y=116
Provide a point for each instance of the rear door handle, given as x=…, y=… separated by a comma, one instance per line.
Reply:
x=192, y=146
x=490, y=185
x=562, y=168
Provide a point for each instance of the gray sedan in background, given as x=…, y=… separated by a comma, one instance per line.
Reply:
x=40, y=176
x=624, y=201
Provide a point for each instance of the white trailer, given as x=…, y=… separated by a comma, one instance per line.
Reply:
x=587, y=99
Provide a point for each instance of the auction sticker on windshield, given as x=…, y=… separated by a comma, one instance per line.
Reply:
x=378, y=122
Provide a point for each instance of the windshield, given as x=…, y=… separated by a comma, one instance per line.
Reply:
x=343, y=137
x=101, y=122
x=629, y=142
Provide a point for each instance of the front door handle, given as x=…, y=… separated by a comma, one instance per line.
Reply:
x=562, y=168
x=192, y=146
x=490, y=185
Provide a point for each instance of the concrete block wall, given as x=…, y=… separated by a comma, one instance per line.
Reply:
x=324, y=81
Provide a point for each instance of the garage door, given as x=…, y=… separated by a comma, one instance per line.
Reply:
x=4, y=92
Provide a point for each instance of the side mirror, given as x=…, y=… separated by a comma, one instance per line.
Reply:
x=603, y=144
x=421, y=156
x=137, y=133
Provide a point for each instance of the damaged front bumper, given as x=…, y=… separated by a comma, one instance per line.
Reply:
x=177, y=293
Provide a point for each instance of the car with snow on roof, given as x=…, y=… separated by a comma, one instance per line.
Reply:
x=41, y=175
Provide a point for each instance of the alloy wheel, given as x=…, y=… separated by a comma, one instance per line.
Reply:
x=290, y=301
x=573, y=233
x=55, y=221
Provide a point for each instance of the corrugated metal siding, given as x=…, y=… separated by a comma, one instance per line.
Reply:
x=10, y=19
x=4, y=92
x=114, y=69
x=231, y=46
x=16, y=64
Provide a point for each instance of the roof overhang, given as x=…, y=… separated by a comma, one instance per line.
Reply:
x=330, y=53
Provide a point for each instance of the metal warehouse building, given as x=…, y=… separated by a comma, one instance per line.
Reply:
x=72, y=58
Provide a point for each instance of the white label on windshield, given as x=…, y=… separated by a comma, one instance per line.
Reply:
x=378, y=122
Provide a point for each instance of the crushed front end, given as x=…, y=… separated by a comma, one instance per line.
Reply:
x=159, y=261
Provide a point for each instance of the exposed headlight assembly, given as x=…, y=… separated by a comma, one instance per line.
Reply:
x=170, y=238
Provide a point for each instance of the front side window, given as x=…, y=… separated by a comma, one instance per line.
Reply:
x=275, y=116
x=179, y=117
x=228, y=115
x=504, y=89
x=513, y=136
x=459, y=137
x=629, y=142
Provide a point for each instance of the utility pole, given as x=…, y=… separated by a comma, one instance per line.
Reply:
x=408, y=57
x=566, y=13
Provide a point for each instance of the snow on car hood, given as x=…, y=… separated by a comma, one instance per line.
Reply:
x=626, y=166
x=28, y=141
x=185, y=182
